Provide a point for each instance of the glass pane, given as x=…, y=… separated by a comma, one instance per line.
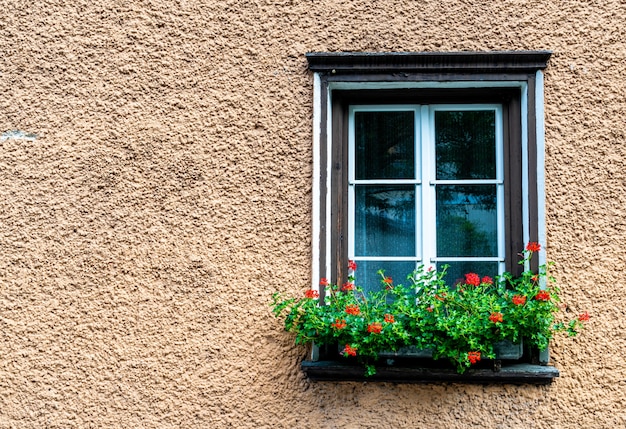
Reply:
x=457, y=270
x=466, y=220
x=368, y=279
x=465, y=144
x=385, y=147
x=385, y=220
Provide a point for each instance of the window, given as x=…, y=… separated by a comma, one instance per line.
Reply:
x=425, y=187
x=427, y=159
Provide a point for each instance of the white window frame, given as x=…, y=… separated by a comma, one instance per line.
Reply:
x=352, y=182
x=425, y=181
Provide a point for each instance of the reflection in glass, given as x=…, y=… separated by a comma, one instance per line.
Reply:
x=385, y=220
x=385, y=145
x=368, y=279
x=465, y=144
x=466, y=220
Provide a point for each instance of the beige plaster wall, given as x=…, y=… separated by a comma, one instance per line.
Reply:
x=168, y=194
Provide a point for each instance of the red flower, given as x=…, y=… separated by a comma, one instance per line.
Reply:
x=339, y=324
x=375, y=328
x=324, y=281
x=486, y=280
x=352, y=265
x=430, y=309
x=472, y=279
x=584, y=317
x=389, y=318
x=535, y=278
x=519, y=299
x=388, y=281
x=311, y=294
x=542, y=295
x=533, y=246
x=473, y=357
x=349, y=351
x=353, y=309
x=347, y=286
x=496, y=317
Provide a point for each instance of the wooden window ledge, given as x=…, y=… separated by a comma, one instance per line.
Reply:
x=523, y=373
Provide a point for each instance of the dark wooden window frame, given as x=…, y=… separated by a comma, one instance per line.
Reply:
x=500, y=77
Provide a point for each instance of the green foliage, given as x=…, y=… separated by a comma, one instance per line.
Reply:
x=460, y=323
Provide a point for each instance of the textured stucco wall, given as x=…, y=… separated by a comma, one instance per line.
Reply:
x=168, y=195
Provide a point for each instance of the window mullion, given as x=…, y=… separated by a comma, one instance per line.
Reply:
x=428, y=215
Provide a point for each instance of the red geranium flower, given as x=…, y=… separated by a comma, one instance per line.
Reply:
x=472, y=279
x=347, y=286
x=533, y=246
x=584, y=317
x=375, y=328
x=535, y=278
x=349, y=351
x=388, y=281
x=311, y=294
x=473, y=357
x=353, y=309
x=352, y=265
x=324, y=281
x=519, y=299
x=389, y=318
x=486, y=280
x=430, y=309
x=542, y=295
x=339, y=324
x=496, y=317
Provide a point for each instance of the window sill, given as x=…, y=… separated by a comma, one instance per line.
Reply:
x=511, y=373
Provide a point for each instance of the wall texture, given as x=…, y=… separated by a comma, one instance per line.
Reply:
x=168, y=194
